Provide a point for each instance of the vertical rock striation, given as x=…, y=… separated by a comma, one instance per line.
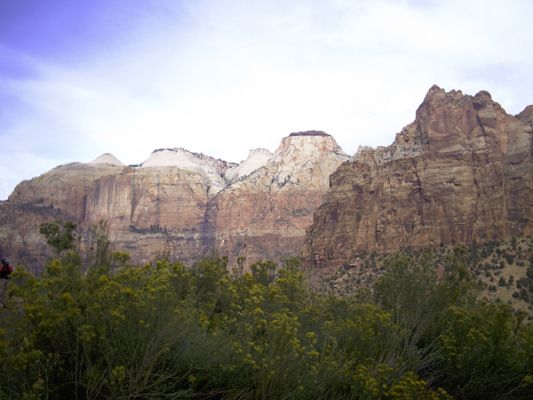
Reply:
x=265, y=214
x=180, y=204
x=462, y=172
x=150, y=210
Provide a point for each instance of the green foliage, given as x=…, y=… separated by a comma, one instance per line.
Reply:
x=485, y=352
x=60, y=236
x=164, y=330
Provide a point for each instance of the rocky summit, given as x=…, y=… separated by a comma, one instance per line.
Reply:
x=461, y=173
x=265, y=214
x=180, y=204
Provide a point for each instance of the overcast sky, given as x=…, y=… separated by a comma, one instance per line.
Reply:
x=79, y=78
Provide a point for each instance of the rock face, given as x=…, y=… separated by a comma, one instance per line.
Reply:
x=212, y=170
x=155, y=209
x=462, y=172
x=178, y=203
x=268, y=211
x=526, y=115
x=256, y=159
x=59, y=194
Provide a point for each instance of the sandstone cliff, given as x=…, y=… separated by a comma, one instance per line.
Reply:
x=462, y=172
x=59, y=194
x=155, y=209
x=180, y=204
x=256, y=159
x=267, y=212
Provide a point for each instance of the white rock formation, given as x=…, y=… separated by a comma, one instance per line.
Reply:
x=256, y=159
x=107, y=158
x=210, y=168
x=306, y=158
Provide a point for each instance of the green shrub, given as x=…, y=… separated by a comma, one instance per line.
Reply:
x=165, y=330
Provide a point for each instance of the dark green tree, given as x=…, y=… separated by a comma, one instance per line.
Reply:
x=60, y=236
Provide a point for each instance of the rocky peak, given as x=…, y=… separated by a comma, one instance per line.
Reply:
x=460, y=173
x=178, y=156
x=436, y=94
x=309, y=144
x=107, y=158
x=303, y=159
x=267, y=212
x=311, y=153
x=255, y=160
x=483, y=96
x=526, y=115
x=210, y=168
x=437, y=97
x=448, y=122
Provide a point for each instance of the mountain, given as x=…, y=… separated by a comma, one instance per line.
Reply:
x=256, y=159
x=461, y=173
x=268, y=211
x=212, y=170
x=107, y=158
x=179, y=204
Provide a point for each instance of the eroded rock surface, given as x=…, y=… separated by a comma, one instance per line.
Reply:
x=180, y=204
x=462, y=173
x=268, y=211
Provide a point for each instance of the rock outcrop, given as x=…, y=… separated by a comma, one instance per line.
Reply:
x=107, y=158
x=180, y=204
x=211, y=169
x=462, y=173
x=526, y=115
x=60, y=194
x=256, y=159
x=155, y=209
x=267, y=212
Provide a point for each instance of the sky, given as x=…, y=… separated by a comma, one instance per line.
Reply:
x=80, y=78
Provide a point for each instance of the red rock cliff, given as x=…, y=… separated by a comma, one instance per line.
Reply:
x=266, y=214
x=180, y=204
x=462, y=172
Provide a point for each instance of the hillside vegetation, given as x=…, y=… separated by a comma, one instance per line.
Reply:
x=502, y=270
x=100, y=328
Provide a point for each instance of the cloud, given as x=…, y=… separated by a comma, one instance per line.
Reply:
x=222, y=77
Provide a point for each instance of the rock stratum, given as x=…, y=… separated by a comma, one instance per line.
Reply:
x=461, y=173
x=266, y=214
x=180, y=204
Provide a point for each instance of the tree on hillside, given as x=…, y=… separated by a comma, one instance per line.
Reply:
x=60, y=236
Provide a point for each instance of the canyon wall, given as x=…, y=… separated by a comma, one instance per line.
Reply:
x=461, y=173
x=180, y=204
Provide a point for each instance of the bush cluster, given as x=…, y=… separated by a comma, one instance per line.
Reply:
x=166, y=331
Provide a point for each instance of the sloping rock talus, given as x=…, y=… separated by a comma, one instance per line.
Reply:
x=461, y=173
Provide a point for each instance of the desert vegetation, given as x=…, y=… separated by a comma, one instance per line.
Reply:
x=502, y=270
x=96, y=326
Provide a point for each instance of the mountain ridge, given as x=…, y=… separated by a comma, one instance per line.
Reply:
x=168, y=205
x=461, y=172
